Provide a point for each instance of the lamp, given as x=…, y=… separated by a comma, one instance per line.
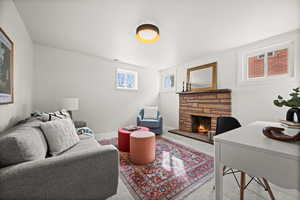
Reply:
x=147, y=33
x=70, y=104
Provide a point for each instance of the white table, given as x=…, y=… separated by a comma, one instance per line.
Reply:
x=248, y=150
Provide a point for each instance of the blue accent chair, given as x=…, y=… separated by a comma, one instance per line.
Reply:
x=155, y=125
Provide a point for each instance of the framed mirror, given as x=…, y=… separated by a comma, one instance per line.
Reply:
x=203, y=77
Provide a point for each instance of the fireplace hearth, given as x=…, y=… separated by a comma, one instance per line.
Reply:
x=198, y=113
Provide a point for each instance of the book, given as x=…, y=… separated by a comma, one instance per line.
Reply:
x=288, y=124
x=131, y=128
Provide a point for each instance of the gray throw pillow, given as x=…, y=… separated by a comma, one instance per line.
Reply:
x=22, y=143
x=60, y=134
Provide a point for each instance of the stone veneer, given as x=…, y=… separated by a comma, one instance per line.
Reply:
x=212, y=103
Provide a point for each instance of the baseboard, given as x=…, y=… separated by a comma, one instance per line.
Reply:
x=167, y=128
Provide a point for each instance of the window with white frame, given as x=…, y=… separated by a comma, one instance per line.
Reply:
x=126, y=79
x=268, y=63
x=168, y=81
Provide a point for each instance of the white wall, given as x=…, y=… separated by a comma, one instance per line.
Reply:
x=249, y=103
x=60, y=73
x=13, y=25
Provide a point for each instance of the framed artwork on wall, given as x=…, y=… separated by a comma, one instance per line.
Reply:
x=6, y=68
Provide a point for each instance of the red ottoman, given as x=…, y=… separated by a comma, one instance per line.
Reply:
x=124, y=138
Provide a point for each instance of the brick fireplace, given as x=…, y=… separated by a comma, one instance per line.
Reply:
x=198, y=112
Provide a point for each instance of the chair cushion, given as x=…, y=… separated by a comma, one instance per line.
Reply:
x=60, y=135
x=150, y=112
x=150, y=123
x=22, y=143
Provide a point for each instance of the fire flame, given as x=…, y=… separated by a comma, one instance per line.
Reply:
x=202, y=129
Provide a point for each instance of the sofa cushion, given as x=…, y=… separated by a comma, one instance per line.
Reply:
x=150, y=112
x=150, y=123
x=60, y=135
x=22, y=143
x=85, y=144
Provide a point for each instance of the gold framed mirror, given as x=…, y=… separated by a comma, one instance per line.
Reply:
x=203, y=77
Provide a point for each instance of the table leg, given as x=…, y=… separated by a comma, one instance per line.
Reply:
x=242, y=185
x=218, y=173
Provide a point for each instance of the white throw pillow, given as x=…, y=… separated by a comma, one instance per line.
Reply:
x=150, y=112
x=60, y=134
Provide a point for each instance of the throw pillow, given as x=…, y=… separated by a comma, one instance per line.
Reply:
x=85, y=131
x=49, y=116
x=60, y=134
x=150, y=112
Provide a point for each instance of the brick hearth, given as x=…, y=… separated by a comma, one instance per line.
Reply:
x=212, y=103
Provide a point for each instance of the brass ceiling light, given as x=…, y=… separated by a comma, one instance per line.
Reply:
x=147, y=33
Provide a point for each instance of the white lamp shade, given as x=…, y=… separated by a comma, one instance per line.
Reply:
x=70, y=104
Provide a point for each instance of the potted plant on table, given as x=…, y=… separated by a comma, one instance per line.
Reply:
x=293, y=103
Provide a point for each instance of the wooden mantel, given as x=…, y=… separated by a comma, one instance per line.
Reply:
x=206, y=91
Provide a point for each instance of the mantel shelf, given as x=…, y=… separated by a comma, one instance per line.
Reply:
x=206, y=91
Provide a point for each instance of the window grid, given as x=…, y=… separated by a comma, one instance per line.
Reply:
x=268, y=64
x=126, y=79
x=169, y=81
x=278, y=62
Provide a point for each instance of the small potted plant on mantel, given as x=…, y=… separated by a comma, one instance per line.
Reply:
x=293, y=103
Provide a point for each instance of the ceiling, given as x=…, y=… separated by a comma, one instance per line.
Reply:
x=188, y=28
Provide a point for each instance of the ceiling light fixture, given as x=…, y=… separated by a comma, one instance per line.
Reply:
x=147, y=33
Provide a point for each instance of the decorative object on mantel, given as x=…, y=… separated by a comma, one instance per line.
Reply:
x=202, y=77
x=277, y=134
x=182, y=86
x=293, y=103
x=6, y=68
x=187, y=87
x=70, y=104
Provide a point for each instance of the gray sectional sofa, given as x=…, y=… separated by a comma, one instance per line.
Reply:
x=85, y=171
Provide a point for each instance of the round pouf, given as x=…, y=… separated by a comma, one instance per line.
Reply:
x=142, y=147
x=123, y=138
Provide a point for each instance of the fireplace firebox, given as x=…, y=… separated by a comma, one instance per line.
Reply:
x=201, y=124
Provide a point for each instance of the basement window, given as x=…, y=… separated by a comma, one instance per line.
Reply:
x=126, y=79
x=168, y=81
x=268, y=63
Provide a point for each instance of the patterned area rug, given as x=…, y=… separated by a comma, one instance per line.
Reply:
x=175, y=173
